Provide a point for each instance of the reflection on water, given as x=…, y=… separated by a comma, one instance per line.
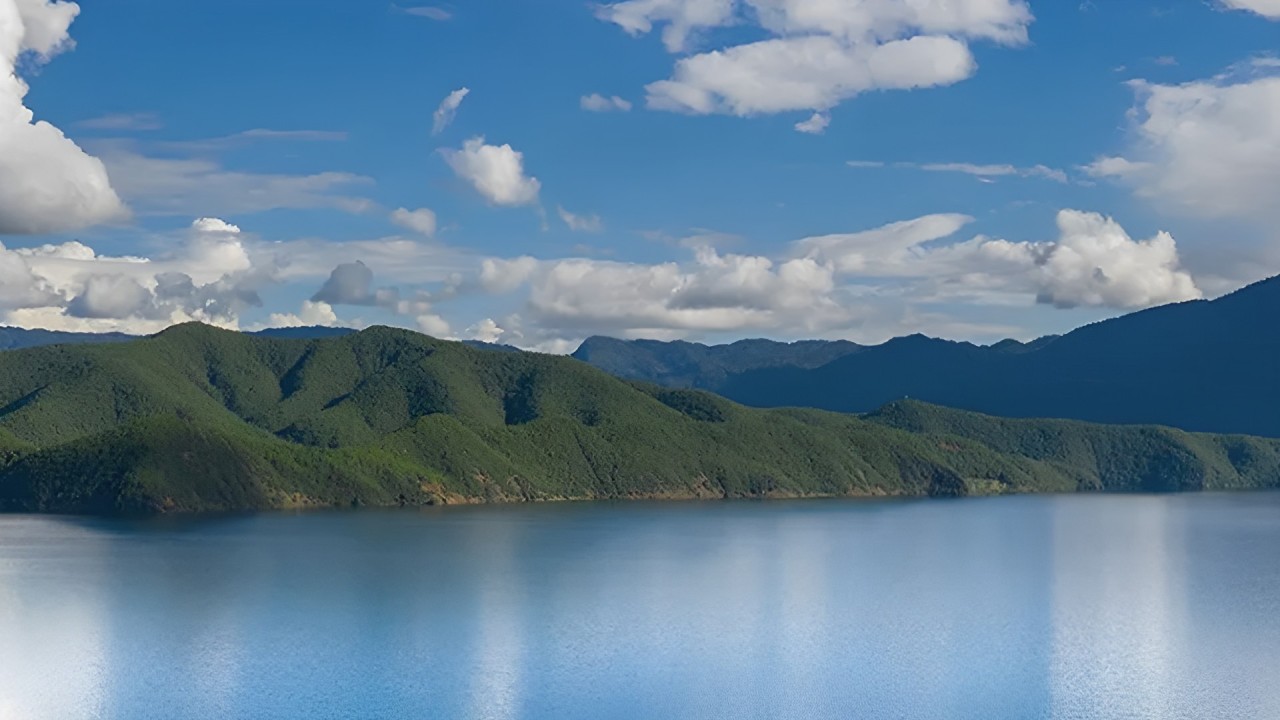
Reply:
x=1119, y=610
x=1058, y=608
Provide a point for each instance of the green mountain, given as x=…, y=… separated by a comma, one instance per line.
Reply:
x=1208, y=366
x=199, y=419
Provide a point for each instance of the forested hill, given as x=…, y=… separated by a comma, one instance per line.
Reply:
x=199, y=419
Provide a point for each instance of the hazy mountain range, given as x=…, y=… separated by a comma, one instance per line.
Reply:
x=1209, y=366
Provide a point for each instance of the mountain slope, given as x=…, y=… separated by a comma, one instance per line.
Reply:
x=1208, y=366
x=203, y=419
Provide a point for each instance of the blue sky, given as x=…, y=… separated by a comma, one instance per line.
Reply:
x=972, y=168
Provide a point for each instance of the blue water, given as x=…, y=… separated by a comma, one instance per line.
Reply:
x=1020, y=608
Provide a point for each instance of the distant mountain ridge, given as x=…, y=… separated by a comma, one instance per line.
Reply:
x=201, y=419
x=1204, y=365
x=694, y=365
x=12, y=338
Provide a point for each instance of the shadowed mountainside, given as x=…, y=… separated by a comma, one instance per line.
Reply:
x=1211, y=366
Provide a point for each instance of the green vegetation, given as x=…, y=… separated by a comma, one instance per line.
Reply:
x=199, y=419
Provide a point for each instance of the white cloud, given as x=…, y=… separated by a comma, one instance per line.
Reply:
x=421, y=221
x=214, y=225
x=20, y=287
x=1093, y=262
x=981, y=172
x=990, y=171
x=820, y=52
x=349, y=284
x=880, y=252
x=500, y=276
x=433, y=325
x=813, y=72
x=430, y=12
x=875, y=282
x=817, y=124
x=47, y=183
x=599, y=103
x=110, y=296
x=394, y=258
x=1209, y=148
x=1003, y=21
x=495, y=171
x=448, y=110
x=1266, y=8
x=208, y=146
x=311, y=314
x=581, y=223
x=682, y=17
x=486, y=331
x=123, y=121
x=192, y=185
x=210, y=276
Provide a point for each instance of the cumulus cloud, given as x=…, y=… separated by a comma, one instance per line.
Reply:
x=820, y=53
x=486, y=331
x=111, y=296
x=495, y=171
x=433, y=325
x=421, y=221
x=1209, y=148
x=1093, y=262
x=20, y=287
x=599, y=103
x=682, y=17
x=817, y=124
x=581, y=223
x=209, y=277
x=311, y=314
x=47, y=182
x=813, y=72
x=448, y=110
x=712, y=292
x=839, y=283
x=349, y=284
x=1266, y=8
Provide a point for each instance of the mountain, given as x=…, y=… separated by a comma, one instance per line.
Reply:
x=693, y=365
x=200, y=419
x=1210, y=366
x=311, y=332
x=17, y=338
x=12, y=338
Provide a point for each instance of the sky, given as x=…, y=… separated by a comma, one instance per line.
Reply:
x=536, y=173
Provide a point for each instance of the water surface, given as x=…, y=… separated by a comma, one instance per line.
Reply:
x=1021, y=608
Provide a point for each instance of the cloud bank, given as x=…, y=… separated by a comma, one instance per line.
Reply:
x=47, y=183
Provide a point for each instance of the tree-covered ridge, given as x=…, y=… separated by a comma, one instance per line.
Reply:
x=199, y=419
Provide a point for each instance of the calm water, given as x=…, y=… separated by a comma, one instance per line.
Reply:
x=1021, y=608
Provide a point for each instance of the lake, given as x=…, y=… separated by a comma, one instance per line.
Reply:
x=1024, y=607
